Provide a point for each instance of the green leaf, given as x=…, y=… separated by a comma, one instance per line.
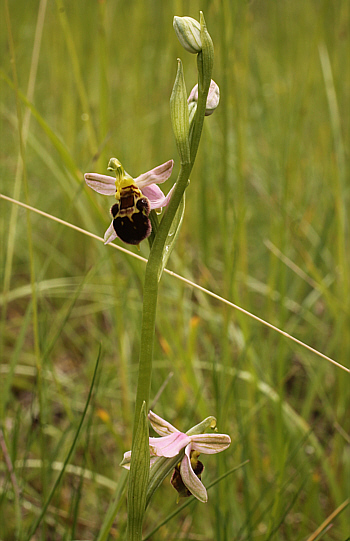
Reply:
x=113, y=508
x=70, y=452
x=172, y=235
x=179, y=115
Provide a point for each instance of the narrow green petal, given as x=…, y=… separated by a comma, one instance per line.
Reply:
x=209, y=422
x=179, y=115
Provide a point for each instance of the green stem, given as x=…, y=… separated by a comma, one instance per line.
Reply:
x=150, y=297
x=150, y=294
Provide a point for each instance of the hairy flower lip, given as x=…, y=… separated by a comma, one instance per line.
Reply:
x=172, y=443
x=146, y=183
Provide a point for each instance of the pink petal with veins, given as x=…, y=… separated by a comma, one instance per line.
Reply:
x=209, y=444
x=100, y=183
x=168, y=446
x=190, y=479
x=160, y=425
x=158, y=175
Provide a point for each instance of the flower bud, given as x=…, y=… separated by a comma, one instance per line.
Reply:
x=188, y=31
x=212, y=99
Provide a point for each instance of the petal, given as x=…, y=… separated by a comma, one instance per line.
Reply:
x=156, y=197
x=168, y=446
x=155, y=176
x=100, y=183
x=126, y=460
x=125, y=463
x=209, y=444
x=193, y=95
x=153, y=460
x=110, y=234
x=190, y=479
x=213, y=98
x=159, y=425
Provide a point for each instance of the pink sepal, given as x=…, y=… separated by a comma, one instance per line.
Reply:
x=158, y=175
x=160, y=425
x=209, y=444
x=100, y=183
x=190, y=479
x=168, y=446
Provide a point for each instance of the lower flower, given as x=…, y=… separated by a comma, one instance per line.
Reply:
x=188, y=446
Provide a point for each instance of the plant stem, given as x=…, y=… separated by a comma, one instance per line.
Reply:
x=150, y=294
x=187, y=146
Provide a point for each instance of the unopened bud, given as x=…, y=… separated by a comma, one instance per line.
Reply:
x=212, y=99
x=188, y=31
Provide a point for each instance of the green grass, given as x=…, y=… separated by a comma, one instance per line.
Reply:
x=266, y=226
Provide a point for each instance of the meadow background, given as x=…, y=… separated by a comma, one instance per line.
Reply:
x=266, y=226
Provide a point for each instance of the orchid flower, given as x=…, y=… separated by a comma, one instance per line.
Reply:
x=135, y=198
x=186, y=477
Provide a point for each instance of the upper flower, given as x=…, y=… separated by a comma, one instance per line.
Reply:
x=135, y=199
x=188, y=31
x=172, y=442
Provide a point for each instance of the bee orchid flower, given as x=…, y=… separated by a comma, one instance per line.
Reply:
x=135, y=198
x=187, y=473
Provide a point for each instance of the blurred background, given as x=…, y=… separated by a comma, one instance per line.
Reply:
x=266, y=226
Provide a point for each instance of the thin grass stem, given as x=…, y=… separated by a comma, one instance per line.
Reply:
x=186, y=281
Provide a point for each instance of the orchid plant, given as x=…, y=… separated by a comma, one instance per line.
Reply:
x=151, y=459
